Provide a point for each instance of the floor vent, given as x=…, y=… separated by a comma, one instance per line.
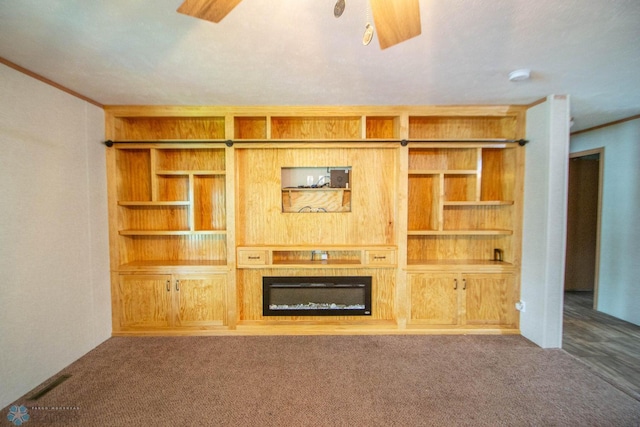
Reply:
x=55, y=383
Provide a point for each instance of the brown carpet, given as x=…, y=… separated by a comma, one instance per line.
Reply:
x=329, y=381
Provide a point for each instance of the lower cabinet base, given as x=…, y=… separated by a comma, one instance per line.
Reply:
x=201, y=304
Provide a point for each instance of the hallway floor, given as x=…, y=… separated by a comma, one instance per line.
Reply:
x=608, y=345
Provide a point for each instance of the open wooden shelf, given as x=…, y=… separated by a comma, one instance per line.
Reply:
x=171, y=200
x=461, y=201
x=459, y=232
x=317, y=257
x=316, y=128
x=169, y=128
x=172, y=266
x=316, y=200
x=479, y=203
x=169, y=232
x=476, y=265
x=462, y=127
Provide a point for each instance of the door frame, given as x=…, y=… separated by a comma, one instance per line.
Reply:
x=600, y=152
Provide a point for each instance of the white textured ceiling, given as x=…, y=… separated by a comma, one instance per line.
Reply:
x=295, y=52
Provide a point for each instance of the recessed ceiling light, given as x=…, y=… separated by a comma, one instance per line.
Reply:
x=519, y=75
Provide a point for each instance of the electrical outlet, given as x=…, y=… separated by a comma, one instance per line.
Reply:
x=521, y=306
x=317, y=255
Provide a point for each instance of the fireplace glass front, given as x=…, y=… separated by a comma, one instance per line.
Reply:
x=316, y=296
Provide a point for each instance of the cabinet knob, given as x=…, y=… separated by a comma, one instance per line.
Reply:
x=464, y=284
x=455, y=284
x=177, y=285
x=168, y=285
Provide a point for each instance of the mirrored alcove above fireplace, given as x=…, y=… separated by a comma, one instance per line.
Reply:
x=316, y=296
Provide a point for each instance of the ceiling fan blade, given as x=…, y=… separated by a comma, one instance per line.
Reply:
x=210, y=10
x=396, y=20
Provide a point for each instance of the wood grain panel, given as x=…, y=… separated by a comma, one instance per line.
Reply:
x=489, y=299
x=133, y=175
x=607, y=344
x=380, y=257
x=493, y=217
x=250, y=128
x=172, y=188
x=381, y=127
x=171, y=249
x=424, y=193
x=460, y=187
x=145, y=301
x=154, y=218
x=302, y=128
x=260, y=219
x=190, y=160
x=159, y=128
x=396, y=21
x=252, y=257
x=443, y=159
x=499, y=167
x=434, y=299
x=210, y=10
x=462, y=127
x=456, y=248
x=209, y=202
x=201, y=300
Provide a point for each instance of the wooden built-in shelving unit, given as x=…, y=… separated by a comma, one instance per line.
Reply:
x=199, y=214
x=170, y=205
x=470, y=198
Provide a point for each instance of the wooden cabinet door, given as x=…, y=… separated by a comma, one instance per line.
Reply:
x=200, y=301
x=434, y=298
x=144, y=301
x=489, y=299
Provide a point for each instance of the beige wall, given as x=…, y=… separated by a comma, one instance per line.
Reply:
x=53, y=232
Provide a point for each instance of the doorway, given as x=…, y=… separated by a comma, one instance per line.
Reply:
x=583, y=223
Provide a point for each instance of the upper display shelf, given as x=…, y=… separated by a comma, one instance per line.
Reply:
x=295, y=124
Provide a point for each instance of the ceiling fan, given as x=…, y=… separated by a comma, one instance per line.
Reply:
x=395, y=20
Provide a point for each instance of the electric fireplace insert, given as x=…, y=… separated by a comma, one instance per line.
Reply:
x=316, y=296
